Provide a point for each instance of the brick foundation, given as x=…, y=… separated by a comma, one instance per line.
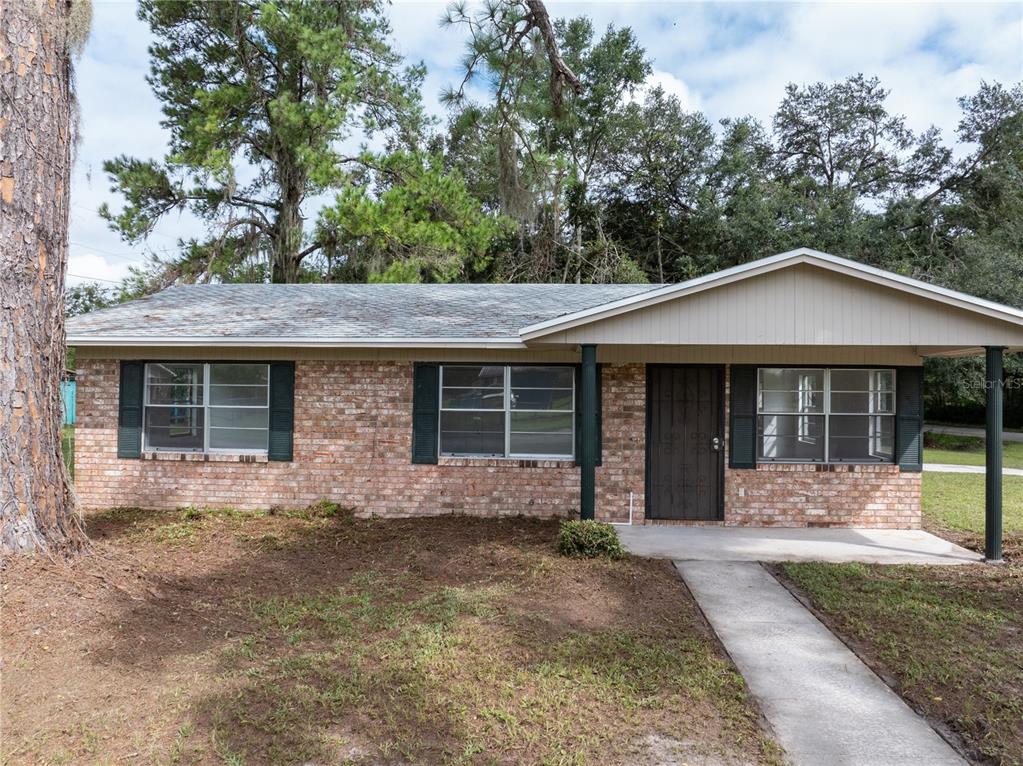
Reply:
x=352, y=445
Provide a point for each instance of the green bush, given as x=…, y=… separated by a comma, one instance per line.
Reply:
x=589, y=539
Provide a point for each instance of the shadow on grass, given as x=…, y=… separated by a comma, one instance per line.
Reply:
x=427, y=640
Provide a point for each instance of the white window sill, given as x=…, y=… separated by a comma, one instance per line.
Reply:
x=505, y=462
x=206, y=457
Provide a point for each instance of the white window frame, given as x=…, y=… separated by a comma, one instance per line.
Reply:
x=872, y=412
x=206, y=407
x=507, y=411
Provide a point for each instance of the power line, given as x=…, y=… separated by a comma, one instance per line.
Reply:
x=93, y=279
x=105, y=252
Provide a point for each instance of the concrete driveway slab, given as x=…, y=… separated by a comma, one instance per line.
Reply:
x=871, y=546
x=826, y=707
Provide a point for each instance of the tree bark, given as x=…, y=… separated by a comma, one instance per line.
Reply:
x=36, y=136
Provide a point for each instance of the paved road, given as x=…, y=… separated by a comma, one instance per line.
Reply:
x=1007, y=436
x=826, y=707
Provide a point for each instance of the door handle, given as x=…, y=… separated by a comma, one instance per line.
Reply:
x=715, y=444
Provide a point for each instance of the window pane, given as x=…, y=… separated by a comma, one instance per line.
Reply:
x=884, y=402
x=791, y=437
x=174, y=373
x=541, y=433
x=174, y=428
x=861, y=437
x=174, y=383
x=543, y=422
x=792, y=401
x=850, y=402
x=472, y=399
x=239, y=396
x=791, y=379
x=237, y=438
x=474, y=376
x=555, y=445
x=472, y=433
x=542, y=377
x=240, y=374
x=233, y=418
x=173, y=394
x=541, y=399
x=850, y=380
x=883, y=380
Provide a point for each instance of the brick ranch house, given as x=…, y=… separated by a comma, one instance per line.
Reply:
x=786, y=391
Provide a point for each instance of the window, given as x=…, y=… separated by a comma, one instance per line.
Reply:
x=507, y=410
x=194, y=407
x=822, y=415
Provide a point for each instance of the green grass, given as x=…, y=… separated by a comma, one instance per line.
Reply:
x=952, y=637
x=956, y=501
x=967, y=450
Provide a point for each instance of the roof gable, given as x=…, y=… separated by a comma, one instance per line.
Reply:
x=803, y=257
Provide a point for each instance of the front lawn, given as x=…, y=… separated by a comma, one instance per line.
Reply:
x=967, y=450
x=951, y=639
x=225, y=637
x=954, y=502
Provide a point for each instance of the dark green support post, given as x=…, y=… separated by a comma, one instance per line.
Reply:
x=993, y=472
x=588, y=442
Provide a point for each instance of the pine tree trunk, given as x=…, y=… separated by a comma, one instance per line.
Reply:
x=36, y=505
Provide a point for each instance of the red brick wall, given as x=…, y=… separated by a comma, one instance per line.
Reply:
x=822, y=496
x=353, y=436
x=352, y=445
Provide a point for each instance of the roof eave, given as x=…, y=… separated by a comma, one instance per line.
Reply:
x=284, y=342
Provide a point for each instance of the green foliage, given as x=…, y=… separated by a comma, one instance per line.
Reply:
x=589, y=539
x=258, y=99
x=418, y=224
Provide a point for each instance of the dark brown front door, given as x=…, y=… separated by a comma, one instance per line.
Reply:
x=685, y=444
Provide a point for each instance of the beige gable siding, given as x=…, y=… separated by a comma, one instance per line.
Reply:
x=801, y=306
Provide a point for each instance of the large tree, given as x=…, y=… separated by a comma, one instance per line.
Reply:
x=537, y=149
x=260, y=99
x=37, y=42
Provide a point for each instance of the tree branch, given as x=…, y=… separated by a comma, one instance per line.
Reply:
x=560, y=73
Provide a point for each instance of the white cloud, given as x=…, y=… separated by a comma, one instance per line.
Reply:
x=672, y=86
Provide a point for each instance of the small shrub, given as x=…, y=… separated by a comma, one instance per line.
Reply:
x=325, y=509
x=191, y=513
x=589, y=539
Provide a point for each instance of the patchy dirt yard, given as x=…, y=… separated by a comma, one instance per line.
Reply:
x=218, y=637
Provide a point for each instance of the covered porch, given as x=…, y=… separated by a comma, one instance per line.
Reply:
x=794, y=311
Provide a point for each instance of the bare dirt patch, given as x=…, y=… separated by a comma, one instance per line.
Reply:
x=220, y=637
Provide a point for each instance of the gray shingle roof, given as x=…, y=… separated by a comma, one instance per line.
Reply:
x=341, y=312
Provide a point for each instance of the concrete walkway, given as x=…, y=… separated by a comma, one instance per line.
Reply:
x=872, y=546
x=826, y=707
x=956, y=468
x=1007, y=436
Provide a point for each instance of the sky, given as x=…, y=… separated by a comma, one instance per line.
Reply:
x=726, y=59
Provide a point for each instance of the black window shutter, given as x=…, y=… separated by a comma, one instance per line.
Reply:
x=909, y=418
x=129, y=413
x=425, y=412
x=743, y=410
x=282, y=411
x=579, y=413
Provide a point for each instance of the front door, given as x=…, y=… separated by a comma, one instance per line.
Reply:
x=685, y=443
